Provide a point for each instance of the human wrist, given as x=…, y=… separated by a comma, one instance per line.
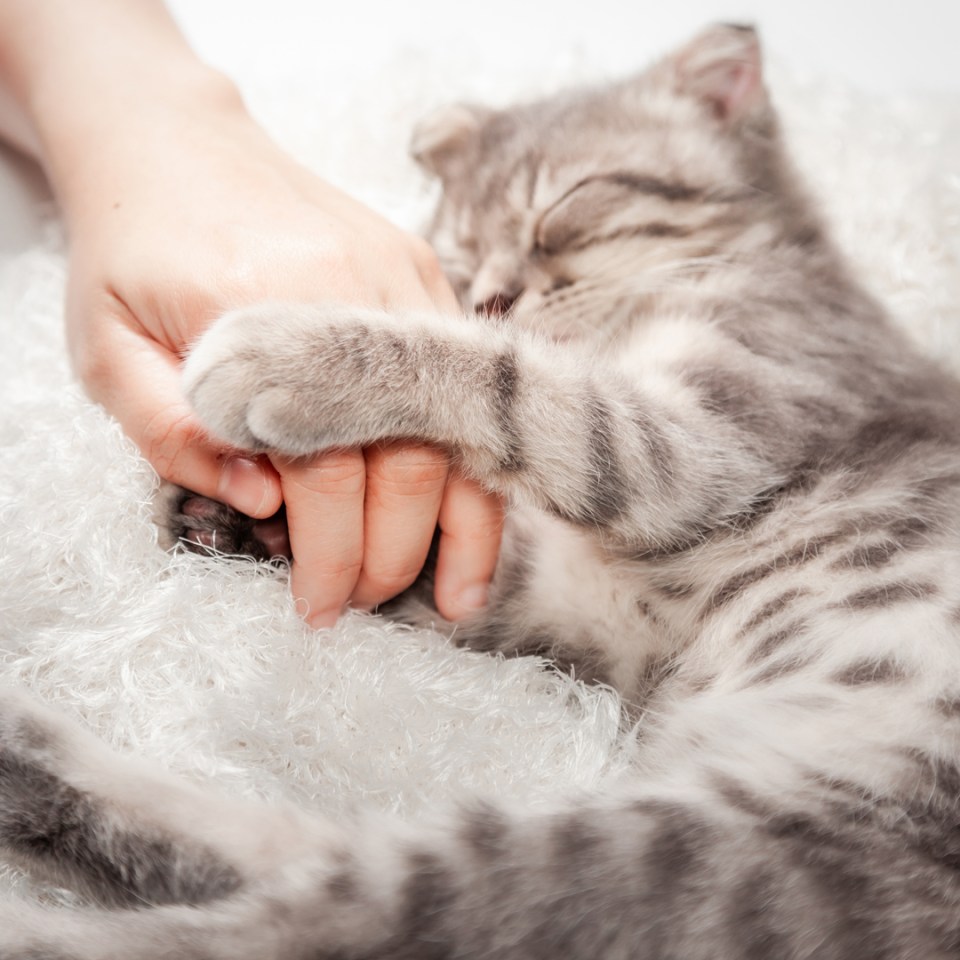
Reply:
x=85, y=80
x=87, y=145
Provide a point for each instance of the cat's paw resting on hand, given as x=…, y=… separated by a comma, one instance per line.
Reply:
x=297, y=379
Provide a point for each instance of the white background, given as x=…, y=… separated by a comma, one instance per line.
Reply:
x=874, y=46
x=877, y=45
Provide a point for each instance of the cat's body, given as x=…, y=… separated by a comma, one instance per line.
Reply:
x=737, y=499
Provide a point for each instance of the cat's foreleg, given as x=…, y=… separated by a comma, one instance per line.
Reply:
x=118, y=829
x=640, y=463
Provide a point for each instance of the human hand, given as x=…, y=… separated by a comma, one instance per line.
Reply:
x=183, y=215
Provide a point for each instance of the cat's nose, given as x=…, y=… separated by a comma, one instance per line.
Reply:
x=496, y=306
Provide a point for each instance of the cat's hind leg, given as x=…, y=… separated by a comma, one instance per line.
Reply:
x=201, y=525
x=119, y=830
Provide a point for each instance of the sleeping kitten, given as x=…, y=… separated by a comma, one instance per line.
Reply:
x=736, y=497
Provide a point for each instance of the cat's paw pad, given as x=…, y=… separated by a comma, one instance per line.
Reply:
x=201, y=525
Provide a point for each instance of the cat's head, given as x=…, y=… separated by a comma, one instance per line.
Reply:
x=565, y=209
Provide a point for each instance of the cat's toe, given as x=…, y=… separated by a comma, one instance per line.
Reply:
x=295, y=379
x=241, y=379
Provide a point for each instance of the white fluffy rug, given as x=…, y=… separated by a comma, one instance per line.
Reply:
x=204, y=665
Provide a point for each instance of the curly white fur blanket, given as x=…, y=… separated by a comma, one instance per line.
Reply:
x=204, y=665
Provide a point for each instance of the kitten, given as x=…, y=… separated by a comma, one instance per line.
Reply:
x=736, y=497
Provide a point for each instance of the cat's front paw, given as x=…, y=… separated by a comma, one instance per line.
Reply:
x=297, y=379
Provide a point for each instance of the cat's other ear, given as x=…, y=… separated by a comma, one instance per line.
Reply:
x=723, y=68
x=442, y=136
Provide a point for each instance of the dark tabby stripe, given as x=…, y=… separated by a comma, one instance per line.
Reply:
x=772, y=642
x=658, y=444
x=344, y=884
x=870, y=671
x=771, y=608
x=902, y=533
x=485, y=831
x=506, y=382
x=611, y=490
x=802, y=553
x=725, y=392
x=656, y=228
x=948, y=707
x=654, y=186
x=675, y=862
x=427, y=896
x=606, y=492
x=752, y=913
x=575, y=839
x=778, y=669
x=888, y=594
x=869, y=556
x=44, y=819
x=675, y=590
x=673, y=190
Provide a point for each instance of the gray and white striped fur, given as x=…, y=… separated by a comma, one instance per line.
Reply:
x=735, y=496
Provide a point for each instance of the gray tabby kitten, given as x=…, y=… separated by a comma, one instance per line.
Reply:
x=736, y=496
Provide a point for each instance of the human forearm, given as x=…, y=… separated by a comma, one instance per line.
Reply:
x=77, y=76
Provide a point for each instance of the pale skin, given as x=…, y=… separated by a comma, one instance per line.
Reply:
x=178, y=208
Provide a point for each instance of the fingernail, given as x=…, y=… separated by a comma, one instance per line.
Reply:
x=474, y=597
x=324, y=619
x=243, y=485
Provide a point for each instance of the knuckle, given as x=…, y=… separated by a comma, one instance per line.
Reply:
x=477, y=528
x=344, y=264
x=334, y=570
x=423, y=254
x=483, y=533
x=341, y=472
x=391, y=579
x=409, y=470
x=427, y=262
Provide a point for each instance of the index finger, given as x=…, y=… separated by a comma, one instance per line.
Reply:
x=324, y=498
x=138, y=381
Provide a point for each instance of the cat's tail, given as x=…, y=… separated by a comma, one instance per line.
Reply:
x=710, y=870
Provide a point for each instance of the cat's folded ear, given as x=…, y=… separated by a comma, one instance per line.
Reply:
x=723, y=68
x=440, y=139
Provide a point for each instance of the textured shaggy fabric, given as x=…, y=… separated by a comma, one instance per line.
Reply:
x=204, y=665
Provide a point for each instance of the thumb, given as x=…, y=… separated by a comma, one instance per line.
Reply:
x=138, y=381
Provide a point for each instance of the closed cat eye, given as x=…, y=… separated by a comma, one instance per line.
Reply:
x=610, y=206
x=575, y=218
